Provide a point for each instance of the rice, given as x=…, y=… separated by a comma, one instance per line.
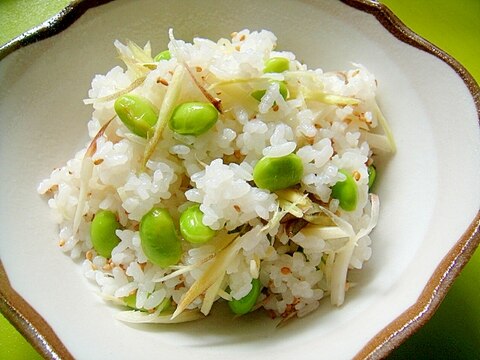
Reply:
x=325, y=120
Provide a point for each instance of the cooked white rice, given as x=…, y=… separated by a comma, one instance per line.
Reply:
x=318, y=121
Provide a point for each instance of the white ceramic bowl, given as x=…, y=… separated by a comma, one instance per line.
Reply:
x=430, y=193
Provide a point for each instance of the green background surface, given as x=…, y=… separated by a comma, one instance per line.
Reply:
x=452, y=25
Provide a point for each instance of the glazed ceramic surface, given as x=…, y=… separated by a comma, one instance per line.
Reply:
x=428, y=190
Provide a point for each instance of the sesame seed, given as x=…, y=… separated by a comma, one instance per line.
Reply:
x=162, y=81
x=89, y=255
x=179, y=286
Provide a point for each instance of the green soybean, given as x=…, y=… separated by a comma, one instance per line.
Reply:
x=164, y=55
x=346, y=192
x=159, y=238
x=137, y=113
x=278, y=173
x=131, y=301
x=372, y=175
x=193, y=118
x=102, y=233
x=258, y=94
x=245, y=304
x=276, y=65
x=192, y=228
x=166, y=306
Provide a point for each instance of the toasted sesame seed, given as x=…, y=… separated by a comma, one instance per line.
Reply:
x=162, y=81
x=179, y=286
x=272, y=314
x=89, y=255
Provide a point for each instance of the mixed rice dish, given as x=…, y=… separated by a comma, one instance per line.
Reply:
x=222, y=172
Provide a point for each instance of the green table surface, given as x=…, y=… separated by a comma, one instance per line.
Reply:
x=452, y=25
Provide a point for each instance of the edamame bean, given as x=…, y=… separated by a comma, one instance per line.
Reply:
x=372, y=175
x=346, y=192
x=245, y=304
x=159, y=239
x=193, y=118
x=164, y=55
x=137, y=113
x=276, y=173
x=131, y=301
x=276, y=65
x=102, y=233
x=282, y=87
x=192, y=228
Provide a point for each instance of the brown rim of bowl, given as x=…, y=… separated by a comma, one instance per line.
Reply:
x=52, y=26
x=36, y=330
x=29, y=323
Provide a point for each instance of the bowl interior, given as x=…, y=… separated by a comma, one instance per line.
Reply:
x=429, y=190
